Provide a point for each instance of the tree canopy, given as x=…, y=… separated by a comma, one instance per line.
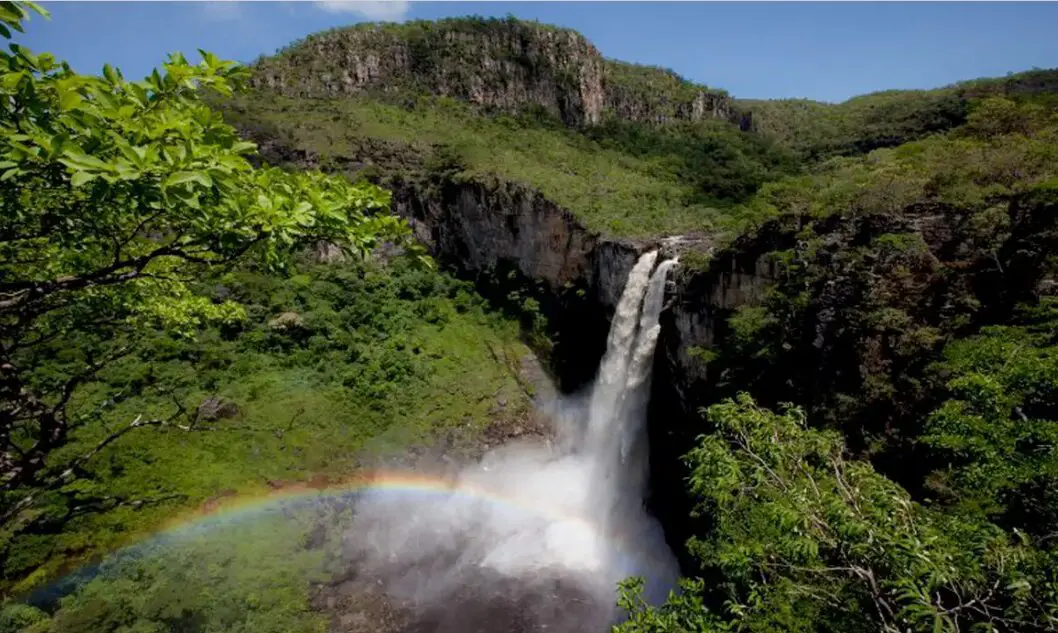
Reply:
x=114, y=196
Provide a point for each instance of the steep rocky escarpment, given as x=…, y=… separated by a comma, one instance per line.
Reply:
x=519, y=246
x=841, y=316
x=504, y=64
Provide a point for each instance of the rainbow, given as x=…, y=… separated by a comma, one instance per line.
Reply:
x=243, y=506
x=370, y=481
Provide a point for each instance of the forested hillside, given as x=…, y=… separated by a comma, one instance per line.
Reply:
x=211, y=290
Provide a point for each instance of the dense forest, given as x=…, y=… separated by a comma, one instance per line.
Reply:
x=205, y=298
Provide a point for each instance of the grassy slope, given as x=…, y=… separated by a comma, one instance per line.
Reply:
x=611, y=191
x=382, y=360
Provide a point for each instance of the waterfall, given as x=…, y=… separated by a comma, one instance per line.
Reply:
x=612, y=377
x=615, y=438
x=529, y=518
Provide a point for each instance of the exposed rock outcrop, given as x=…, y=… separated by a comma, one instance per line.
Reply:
x=510, y=239
x=504, y=64
x=483, y=228
x=647, y=94
x=216, y=408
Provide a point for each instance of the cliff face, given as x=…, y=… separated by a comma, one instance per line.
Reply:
x=506, y=65
x=511, y=240
x=503, y=64
x=855, y=302
x=647, y=94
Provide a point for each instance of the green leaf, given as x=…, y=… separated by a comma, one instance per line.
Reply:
x=111, y=76
x=185, y=177
x=139, y=93
x=76, y=159
x=10, y=81
x=69, y=99
x=82, y=177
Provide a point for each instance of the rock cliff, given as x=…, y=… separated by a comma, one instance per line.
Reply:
x=513, y=241
x=507, y=64
x=647, y=94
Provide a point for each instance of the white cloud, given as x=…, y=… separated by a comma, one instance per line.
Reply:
x=220, y=10
x=389, y=10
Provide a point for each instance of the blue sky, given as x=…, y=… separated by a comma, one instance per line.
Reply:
x=826, y=51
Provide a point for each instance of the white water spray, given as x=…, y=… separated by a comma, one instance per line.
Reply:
x=556, y=529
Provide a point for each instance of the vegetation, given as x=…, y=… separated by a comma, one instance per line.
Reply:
x=188, y=300
x=816, y=130
x=114, y=192
x=609, y=190
x=723, y=165
x=623, y=176
x=997, y=432
x=912, y=488
x=803, y=539
x=879, y=449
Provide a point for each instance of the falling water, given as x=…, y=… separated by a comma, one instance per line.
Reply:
x=554, y=568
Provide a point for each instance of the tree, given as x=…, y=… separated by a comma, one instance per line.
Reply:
x=115, y=197
x=803, y=539
x=995, y=437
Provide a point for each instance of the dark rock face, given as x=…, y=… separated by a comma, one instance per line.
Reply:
x=509, y=238
x=655, y=95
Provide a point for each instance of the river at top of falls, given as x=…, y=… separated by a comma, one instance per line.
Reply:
x=547, y=531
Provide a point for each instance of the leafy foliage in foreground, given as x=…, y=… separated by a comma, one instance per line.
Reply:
x=803, y=539
x=125, y=207
x=113, y=194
